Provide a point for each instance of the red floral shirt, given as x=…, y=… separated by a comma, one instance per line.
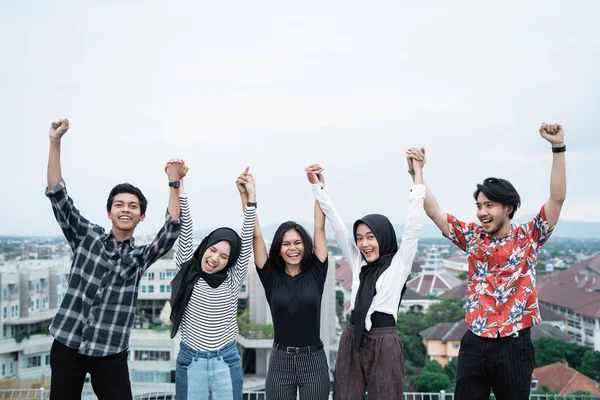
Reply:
x=501, y=293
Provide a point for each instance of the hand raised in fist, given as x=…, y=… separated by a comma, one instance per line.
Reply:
x=59, y=128
x=553, y=133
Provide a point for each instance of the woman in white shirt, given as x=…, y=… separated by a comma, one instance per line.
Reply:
x=370, y=353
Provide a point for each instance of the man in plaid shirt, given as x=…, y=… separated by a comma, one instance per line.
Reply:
x=93, y=324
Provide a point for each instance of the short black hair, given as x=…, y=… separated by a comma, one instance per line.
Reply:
x=274, y=254
x=127, y=188
x=500, y=191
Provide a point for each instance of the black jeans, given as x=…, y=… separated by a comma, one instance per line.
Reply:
x=503, y=364
x=110, y=375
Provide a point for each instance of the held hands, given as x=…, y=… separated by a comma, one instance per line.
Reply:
x=246, y=185
x=58, y=129
x=553, y=133
x=176, y=169
x=415, y=157
x=314, y=173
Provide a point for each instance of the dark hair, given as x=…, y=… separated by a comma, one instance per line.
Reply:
x=274, y=254
x=500, y=191
x=127, y=188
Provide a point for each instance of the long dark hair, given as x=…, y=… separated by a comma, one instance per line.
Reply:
x=274, y=251
x=500, y=191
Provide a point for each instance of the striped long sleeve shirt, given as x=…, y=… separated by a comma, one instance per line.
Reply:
x=210, y=319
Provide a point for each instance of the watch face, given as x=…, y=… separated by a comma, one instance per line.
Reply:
x=174, y=184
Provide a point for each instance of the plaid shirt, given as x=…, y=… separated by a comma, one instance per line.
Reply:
x=501, y=293
x=96, y=313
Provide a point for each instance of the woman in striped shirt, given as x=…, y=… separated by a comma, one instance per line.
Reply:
x=293, y=277
x=204, y=304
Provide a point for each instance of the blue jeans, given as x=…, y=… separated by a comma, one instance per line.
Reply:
x=209, y=374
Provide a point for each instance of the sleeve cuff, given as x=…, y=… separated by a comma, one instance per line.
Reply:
x=171, y=220
x=418, y=190
x=183, y=195
x=59, y=187
x=317, y=188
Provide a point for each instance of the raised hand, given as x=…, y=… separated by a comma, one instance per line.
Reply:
x=176, y=169
x=416, y=156
x=553, y=133
x=314, y=173
x=59, y=128
x=246, y=186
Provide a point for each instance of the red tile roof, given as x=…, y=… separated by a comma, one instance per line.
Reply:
x=565, y=380
x=344, y=274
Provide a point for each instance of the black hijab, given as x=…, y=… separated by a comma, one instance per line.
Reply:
x=189, y=273
x=384, y=232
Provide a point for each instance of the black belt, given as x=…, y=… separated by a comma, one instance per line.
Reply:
x=295, y=350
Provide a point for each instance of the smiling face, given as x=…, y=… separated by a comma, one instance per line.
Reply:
x=125, y=212
x=494, y=216
x=367, y=242
x=292, y=248
x=216, y=257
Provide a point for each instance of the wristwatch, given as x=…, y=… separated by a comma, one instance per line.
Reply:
x=175, y=184
x=251, y=203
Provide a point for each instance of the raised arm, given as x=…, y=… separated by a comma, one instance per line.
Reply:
x=321, y=252
x=247, y=188
x=185, y=250
x=258, y=242
x=57, y=130
x=432, y=208
x=554, y=134
x=343, y=237
x=175, y=171
x=405, y=256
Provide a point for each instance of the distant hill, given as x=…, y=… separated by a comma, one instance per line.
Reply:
x=564, y=229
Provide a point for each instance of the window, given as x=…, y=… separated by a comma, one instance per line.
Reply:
x=162, y=288
x=5, y=293
x=148, y=355
x=33, y=362
x=162, y=276
x=47, y=359
x=5, y=312
x=168, y=288
x=243, y=288
x=150, y=276
x=3, y=369
x=37, y=304
x=171, y=274
x=143, y=288
x=456, y=345
x=150, y=288
x=12, y=368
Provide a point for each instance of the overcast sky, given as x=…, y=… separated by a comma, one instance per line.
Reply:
x=279, y=85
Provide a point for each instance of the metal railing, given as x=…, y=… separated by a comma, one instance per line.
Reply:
x=43, y=394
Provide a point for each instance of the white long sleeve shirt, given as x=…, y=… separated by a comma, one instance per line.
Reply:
x=390, y=283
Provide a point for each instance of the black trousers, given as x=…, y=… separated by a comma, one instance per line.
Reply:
x=110, y=375
x=502, y=364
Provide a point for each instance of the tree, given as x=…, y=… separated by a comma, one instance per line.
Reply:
x=450, y=369
x=408, y=327
x=434, y=367
x=549, y=351
x=590, y=365
x=450, y=309
x=431, y=382
x=339, y=304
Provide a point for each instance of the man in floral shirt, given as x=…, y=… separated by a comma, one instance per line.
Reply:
x=496, y=352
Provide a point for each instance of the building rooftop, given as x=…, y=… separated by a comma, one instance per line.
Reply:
x=577, y=288
x=565, y=380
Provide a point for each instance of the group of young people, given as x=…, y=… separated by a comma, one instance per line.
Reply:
x=93, y=324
